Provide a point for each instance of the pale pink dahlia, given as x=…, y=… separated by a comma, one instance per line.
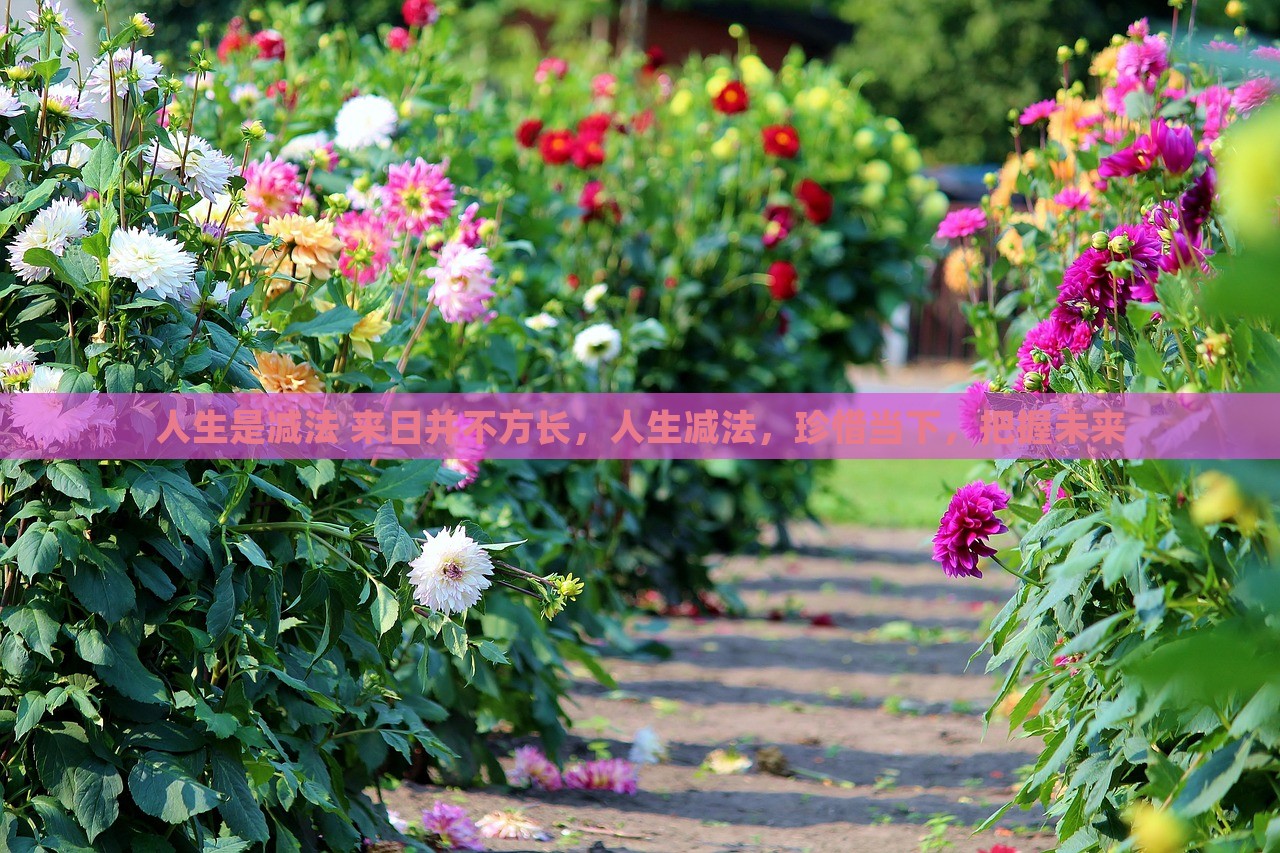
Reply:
x=467, y=449
x=534, y=769
x=463, y=282
x=962, y=223
x=469, y=225
x=1267, y=52
x=1039, y=111
x=970, y=519
x=366, y=245
x=449, y=828
x=272, y=188
x=1072, y=199
x=612, y=774
x=417, y=196
x=1251, y=94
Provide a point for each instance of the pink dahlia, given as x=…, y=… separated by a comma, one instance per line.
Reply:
x=604, y=86
x=534, y=769
x=1088, y=290
x=469, y=225
x=462, y=282
x=1224, y=46
x=1143, y=61
x=550, y=67
x=1176, y=145
x=1141, y=259
x=449, y=828
x=613, y=774
x=1046, y=344
x=467, y=449
x=1251, y=94
x=1214, y=102
x=962, y=223
x=1267, y=52
x=1039, y=111
x=1133, y=160
x=366, y=245
x=779, y=220
x=962, y=534
x=272, y=188
x=971, y=407
x=1072, y=199
x=417, y=196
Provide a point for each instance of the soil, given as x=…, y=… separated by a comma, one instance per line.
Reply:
x=876, y=714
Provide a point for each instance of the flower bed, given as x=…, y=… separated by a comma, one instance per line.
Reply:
x=1128, y=269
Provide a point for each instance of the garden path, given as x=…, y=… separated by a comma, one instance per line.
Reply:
x=875, y=713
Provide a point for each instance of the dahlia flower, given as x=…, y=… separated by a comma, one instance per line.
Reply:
x=971, y=406
x=310, y=148
x=596, y=203
x=1176, y=145
x=308, y=247
x=366, y=245
x=1052, y=337
x=817, y=202
x=365, y=121
x=542, y=322
x=1039, y=111
x=534, y=769
x=1267, y=52
x=647, y=747
x=451, y=572
x=556, y=146
x=462, y=282
x=47, y=421
x=962, y=534
x=1251, y=94
x=1132, y=160
x=152, y=262
x=10, y=106
x=1072, y=198
x=550, y=67
x=63, y=101
x=221, y=214
x=279, y=374
x=961, y=223
x=779, y=220
x=591, y=299
x=466, y=452
x=417, y=196
x=512, y=825
x=399, y=39
x=131, y=69
x=1197, y=202
x=783, y=280
x=611, y=774
x=528, y=132
x=588, y=151
x=52, y=229
x=469, y=225
x=449, y=828
x=272, y=188
x=604, y=86
x=270, y=45
x=1046, y=486
x=15, y=353
x=781, y=140
x=419, y=13
x=51, y=16
x=597, y=344
x=732, y=98
x=1215, y=102
x=193, y=163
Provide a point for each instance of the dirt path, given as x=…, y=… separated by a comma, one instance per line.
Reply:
x=875, y=713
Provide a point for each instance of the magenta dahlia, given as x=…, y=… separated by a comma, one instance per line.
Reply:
x=366, y=245
x=449, y=828
x=962, y=223
x=612, y=774
x=969, y=521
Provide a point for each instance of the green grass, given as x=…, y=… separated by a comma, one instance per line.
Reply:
x=891, y=492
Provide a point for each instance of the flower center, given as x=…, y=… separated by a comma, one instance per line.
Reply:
x=452, y=570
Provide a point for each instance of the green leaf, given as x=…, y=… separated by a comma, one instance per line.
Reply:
x=455, y=638
x=162, y=788
x=253, y=553
x=339, y=320
x=396, y=544
x=223, y=610
x=491, y=653
x=239, y=808
x=102, y=171
x=127, y=674
x=81, y=781
x=33, y=623
x=36, y=550
x=1209, y=783
x=31, y=708
x=502, y=546
x=121, y=378
x=109, y=593
x=386, y=608
x=70, y=479
x=405, y=481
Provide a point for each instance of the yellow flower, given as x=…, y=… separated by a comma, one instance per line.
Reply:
x=680, y=102
x=726, y=146
x=1007, y=183
x=1219, y=499
x=864, y=141
x=1104, y=62
x=1011, y=247
x=877, y=171
x=1155, y=830
x=755, y=72
x=959, y=269
x=308, y=247
x=775, y=104
x=1249, y=175
x=816, y=99
x=717, y=81
x=280, y=375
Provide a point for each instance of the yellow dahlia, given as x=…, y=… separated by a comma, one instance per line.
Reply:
x=280, y=375
x=959, y=270
x=309, y=248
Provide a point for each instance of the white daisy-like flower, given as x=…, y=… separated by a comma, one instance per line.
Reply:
x=451, y=572
x=365, y=121
x=598, y=344
x=52, y=16
x=63, y=100
x=542, y=322
x=207, y=169
x=647, y=747
x=14, y=353
x=364, y=199
x=301, y=149
x=75, y=156
x=45, y=379
x=53, y=229
x=133, y=69
x=10, y=106
x=151, y=262
x=591, y=299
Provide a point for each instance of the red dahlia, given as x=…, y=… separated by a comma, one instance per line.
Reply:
x=816, y=201
x=528, y=132
x=731, y=99
x=556, y=146
x=419, y=13
x=782, y=280
x=781, y=140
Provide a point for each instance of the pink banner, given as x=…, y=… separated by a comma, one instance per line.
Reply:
x=639, y=426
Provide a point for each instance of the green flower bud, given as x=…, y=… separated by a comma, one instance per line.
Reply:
x=1120, y=244
x=1099, y=240
x=1033, y=381
x=1064, y=54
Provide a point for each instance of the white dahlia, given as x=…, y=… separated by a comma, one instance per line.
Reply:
x=365, y=121
x=63, y=101
x=207, y=169
x=597, y=344
x=591, y=299
x=10, y=106
x=542, y=322
x=451, y=572
x=301, y=149
x=53, y=229
x=45, y=379
x=132, y=67
x=151, y=262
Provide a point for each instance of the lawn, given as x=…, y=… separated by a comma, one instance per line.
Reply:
x=909, y=493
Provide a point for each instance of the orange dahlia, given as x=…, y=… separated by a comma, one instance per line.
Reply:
x=308, y=247
x=280, y=375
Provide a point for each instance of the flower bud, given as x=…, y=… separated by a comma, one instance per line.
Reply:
x=252, y=131
x=1241, y=31
x=1099, y=240
x=1033, y=381
x=337, y=202
x=20, y=72
x=134, y=188
x=1082, y=46
x=735, y=31
x=1119, y=244
x=1235, y=9
x=1039, y=356
x=1064, y=54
